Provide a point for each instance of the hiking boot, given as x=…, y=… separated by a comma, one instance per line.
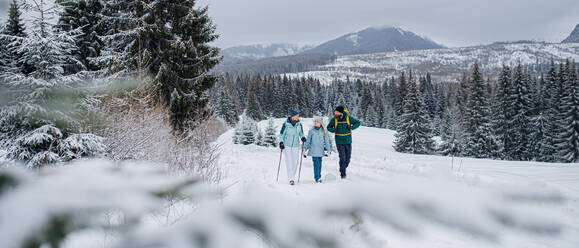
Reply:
x=343, y=176
x=292, y=182
x=319, y=181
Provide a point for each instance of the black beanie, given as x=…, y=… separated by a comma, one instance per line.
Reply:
x=340, y=109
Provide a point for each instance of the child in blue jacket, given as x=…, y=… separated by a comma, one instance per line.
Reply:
x=318, y=146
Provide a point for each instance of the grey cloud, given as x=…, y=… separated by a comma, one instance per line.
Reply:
x=451, y=22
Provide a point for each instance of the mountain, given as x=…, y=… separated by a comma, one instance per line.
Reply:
x=260, y=51
x=573, y=37
x=444, y=64
x=375, y=40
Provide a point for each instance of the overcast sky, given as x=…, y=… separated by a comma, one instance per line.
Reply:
x=450, y=22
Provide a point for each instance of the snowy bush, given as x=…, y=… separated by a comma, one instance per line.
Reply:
x=137, y=130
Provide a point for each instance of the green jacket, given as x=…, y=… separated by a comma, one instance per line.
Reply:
x=343, y=134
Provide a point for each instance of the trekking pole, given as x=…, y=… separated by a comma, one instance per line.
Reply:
x=301, y=157
x=279, y=165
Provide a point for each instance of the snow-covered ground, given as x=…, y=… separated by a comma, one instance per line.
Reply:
x=536, y=203
x=389, y=200
x=444, y=64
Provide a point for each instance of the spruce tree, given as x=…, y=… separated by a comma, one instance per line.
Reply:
x=15, y=25
x=85, y=17
x=519, y=123
x=270, y=136
x=413, y=133
x=502, y=112
x=226, y=107
x=566, y=143
x=478, y=137
x=551, y=102
x=253, y=105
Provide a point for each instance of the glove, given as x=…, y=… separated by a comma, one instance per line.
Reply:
x=349, y=127
x=304, y=139
x=326, y=154
x=281, y=146
x=305, y=156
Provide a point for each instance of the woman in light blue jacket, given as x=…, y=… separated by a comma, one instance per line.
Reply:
x=318, y=146
x=291, y=134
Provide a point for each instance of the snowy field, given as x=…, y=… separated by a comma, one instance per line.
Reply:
x=538, y=202
x=389, y=200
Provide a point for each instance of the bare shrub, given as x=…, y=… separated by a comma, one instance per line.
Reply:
x=138, y=129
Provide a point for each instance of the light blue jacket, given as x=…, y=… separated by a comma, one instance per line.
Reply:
x=291, y=135
x=317, y=141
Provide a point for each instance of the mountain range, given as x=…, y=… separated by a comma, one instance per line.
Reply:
x=375, y=40
x=370, y=40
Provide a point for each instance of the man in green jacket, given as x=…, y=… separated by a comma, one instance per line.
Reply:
x=342, y=125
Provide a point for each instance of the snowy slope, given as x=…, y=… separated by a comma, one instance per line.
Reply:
x=446, y=64
x=455, y=201
x=260, y=51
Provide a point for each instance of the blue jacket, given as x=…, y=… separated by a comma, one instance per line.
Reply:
x=291, y=135
x=317, y=142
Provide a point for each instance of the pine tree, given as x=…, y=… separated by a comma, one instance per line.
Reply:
x=501, y=112
x=552, y=97
x=451, y=132
x=85, y=16
x=365, y=102
x=413, y=134
x=566, y=143
x=253, y=105
x=478, y=136
x=270, y=136
x=15, y=25
x=249, y=131
x=11, y=38
x=519, y=124
x=226, y=107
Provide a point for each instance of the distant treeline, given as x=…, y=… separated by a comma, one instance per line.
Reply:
x=520, y=115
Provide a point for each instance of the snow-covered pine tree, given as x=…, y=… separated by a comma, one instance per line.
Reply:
x=501, y=111
x=249, y=131
x=365, y=102
x=39, y=126
x=253, y=105
x=226, y=108
x=566, y=142
x=451, y=132
x=520, y=102
x=552, y=91
x=168, y=40
x=479, y=141
x=84, y=15
x=413, y=133
x=11, y=37
x=270, y=136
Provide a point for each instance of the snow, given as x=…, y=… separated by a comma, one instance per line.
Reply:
x=353, y=38
x=444, y=64
x=484, y=203
x=389, y=200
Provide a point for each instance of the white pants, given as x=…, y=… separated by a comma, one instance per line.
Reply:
x=292, y=160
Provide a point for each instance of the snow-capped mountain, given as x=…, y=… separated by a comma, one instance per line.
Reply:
x=444, y=64
x=375, y=40
x=573, y=37
x=260, y=51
